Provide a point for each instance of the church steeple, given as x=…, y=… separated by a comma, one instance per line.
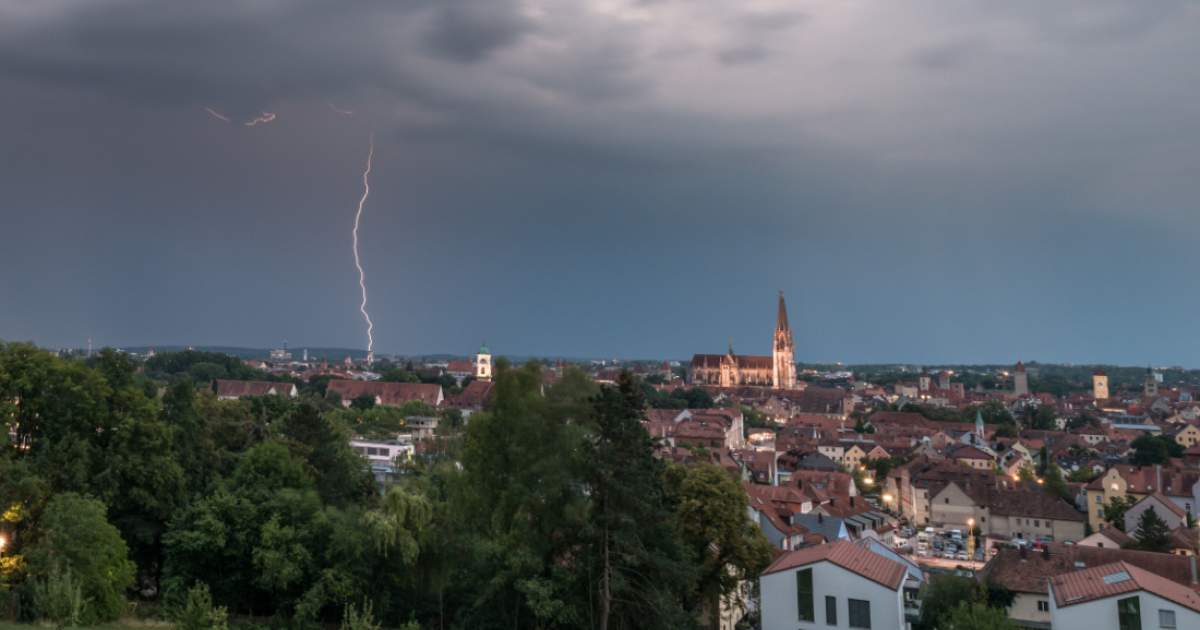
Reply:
x=783, y=350
x=781, y=321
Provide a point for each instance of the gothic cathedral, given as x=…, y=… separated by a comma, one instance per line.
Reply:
x=734, y=370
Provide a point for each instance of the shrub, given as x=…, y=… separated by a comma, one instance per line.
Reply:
x=58, y=598
x=198, y=612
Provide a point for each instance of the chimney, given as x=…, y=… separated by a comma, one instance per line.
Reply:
x=1158, y=477
x=1192, y=562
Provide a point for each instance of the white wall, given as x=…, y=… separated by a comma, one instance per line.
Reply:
x=1102, y=614
x=778, y=596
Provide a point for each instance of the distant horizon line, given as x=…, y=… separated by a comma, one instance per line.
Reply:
x=225, y=349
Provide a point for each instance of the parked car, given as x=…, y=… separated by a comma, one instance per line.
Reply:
x=962, y=555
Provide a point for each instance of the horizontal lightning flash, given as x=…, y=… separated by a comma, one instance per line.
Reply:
x=265, y=118
x=215, y=114
x=338, y=110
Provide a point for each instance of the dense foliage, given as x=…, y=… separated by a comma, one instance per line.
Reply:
x=123, y=482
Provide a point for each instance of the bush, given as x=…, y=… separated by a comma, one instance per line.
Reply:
x=359, y=619
x=198, y=612
x=77, y=538
x=58, y=598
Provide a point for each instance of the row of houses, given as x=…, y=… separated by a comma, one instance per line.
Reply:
x=863, y=584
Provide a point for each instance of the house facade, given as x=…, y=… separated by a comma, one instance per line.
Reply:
x=835, y=585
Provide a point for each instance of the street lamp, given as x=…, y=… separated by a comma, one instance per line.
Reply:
x=971, y=541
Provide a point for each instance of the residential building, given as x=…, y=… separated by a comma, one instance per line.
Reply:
x=385, y=393
x=838, y=584
x=384, y=456
x=234, y=390
x=1026, y=573
x=1121, y=596
x=1171, y=514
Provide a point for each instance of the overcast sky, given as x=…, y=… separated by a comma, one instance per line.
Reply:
x=928, y=181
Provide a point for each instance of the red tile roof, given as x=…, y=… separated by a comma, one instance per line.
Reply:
x=389, y=394
x=475, y=395
x=847, y=555
x=240, y=389
x=1118, y=578
x=1029, y=574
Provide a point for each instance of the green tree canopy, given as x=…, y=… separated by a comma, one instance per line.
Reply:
x=75, y=536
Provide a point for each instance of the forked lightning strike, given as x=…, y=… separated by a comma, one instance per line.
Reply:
x=362, y=276
x=265, y=118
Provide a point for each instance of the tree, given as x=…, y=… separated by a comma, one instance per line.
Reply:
x=1154, y=449
x=641, y=574
x=1043, y=418
x=976, y=616
x=77, y=537
x=1055, y=484
x=1006, y=431
x=1152, y=533
x=710, y=512
x=522, y=497
x=362, y=403
x=942, y=594
x=1114, y=511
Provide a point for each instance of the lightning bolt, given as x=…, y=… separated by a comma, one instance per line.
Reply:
x=362, y=276
x=338, y=110
x=216, y=114
x=265, y=118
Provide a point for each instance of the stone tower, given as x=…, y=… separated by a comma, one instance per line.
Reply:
x=1100, y=385
x=483, y=363
x=1150, y=389
x=783, y=352
x=1020, y=380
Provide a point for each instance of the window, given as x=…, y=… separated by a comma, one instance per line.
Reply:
x=804, y=595
x=1037, y=523
x=831, y=610
x=860, y=613
x=1099, y=500
x=1043, y=605
x=947, y=500
x=1129, y=613
x=1166, y=618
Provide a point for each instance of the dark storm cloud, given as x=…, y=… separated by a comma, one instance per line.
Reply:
x=465, y=30
x=914, y=173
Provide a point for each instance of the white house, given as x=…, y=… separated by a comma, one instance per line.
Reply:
x=1121, y=596
x=1166, y=509
x=384, y=455
x=835, y=585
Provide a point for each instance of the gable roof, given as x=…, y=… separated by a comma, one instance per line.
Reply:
x=849, y=556
x=393, y=394
x=1030, y=574
x=1159, y=499
x=241, y=389
x=1117, y=578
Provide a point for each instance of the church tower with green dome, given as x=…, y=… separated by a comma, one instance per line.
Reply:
x=483, y=363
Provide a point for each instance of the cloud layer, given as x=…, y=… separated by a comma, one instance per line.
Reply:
x=869, y=153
